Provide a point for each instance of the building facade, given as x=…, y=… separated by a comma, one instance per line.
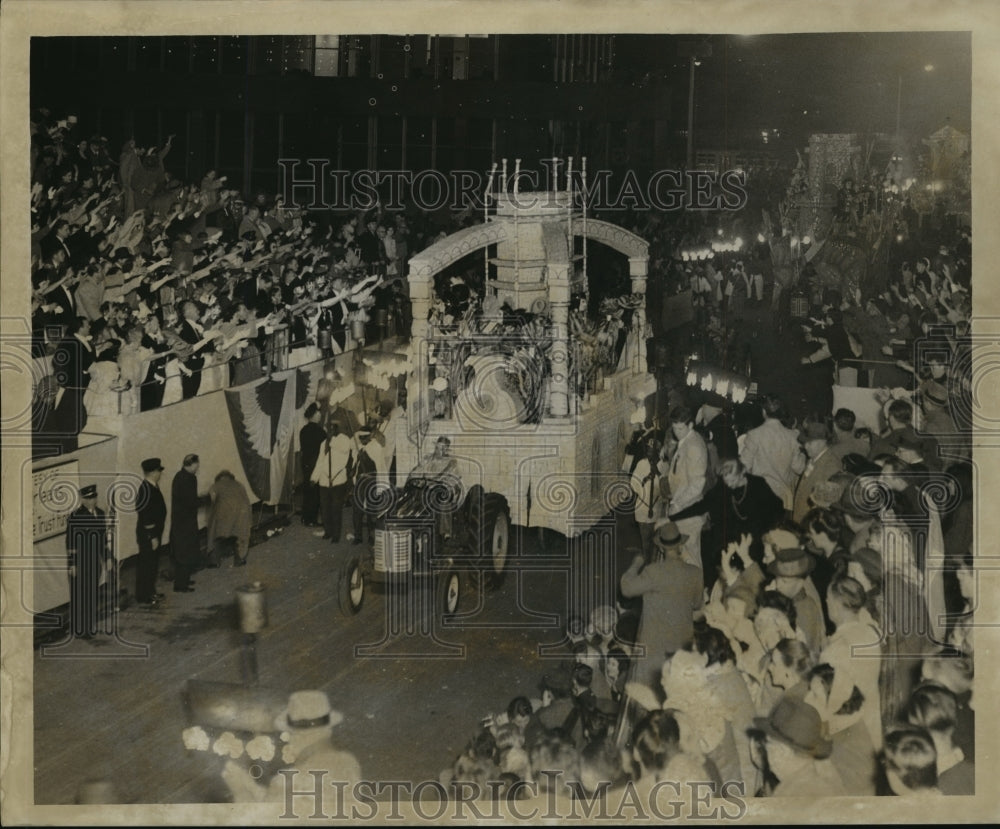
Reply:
x=380, y=102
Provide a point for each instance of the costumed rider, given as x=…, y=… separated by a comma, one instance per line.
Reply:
x=441, y=470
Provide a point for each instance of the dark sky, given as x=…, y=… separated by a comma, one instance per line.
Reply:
x=842, y=82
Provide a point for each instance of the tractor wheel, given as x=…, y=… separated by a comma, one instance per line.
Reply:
x=489, y=539
x=448, y=593
x=351, y=588
x=473, y=506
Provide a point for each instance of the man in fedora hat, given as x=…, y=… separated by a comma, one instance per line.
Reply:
x=87, y=556
x=857, y=511
x=790, y=569
x=151, y=515
x=938, y=422
x=798, y=751
x=822, y=464
x=672, y=597
x=306, y=726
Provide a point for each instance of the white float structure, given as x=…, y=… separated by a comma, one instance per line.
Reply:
x=562, y=469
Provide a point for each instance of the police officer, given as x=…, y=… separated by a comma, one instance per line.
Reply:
x=87, y=555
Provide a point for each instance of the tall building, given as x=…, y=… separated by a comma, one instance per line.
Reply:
x=380, y=102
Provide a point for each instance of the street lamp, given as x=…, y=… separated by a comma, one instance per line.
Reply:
x=929, y=67
x=693, y=51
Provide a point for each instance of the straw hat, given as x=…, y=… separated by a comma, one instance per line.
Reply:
x=308, y=709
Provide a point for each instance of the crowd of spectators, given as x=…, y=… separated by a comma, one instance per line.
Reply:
x=147, y=290
x=827, y=647
x=821, y=633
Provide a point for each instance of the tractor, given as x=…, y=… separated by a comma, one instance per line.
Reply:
x=427, y=532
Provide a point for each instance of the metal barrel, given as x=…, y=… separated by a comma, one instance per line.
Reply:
x=252, y=602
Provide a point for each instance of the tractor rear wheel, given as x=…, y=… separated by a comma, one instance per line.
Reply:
x=489, y=539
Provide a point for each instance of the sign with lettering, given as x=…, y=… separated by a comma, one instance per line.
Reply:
x=55, y=494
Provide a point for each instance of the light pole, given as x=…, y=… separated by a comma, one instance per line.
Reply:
x=899, y=104
x=693, y=51
x=899, y=107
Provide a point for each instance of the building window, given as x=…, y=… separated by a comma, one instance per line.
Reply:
x=327, y=56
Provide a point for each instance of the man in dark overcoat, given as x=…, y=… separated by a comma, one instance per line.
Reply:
x=311, y=439
x=151, y=515
x=185, y=543
x=87, y=556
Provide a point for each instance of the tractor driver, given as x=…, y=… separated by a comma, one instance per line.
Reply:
x=441, y=469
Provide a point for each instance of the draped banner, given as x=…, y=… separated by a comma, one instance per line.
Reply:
x=263, y=419
x=281, y=450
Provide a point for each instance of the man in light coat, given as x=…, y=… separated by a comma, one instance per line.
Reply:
x=772, y=451
x=334, y=472
x=687, y=477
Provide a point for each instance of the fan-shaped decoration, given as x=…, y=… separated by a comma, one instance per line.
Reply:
x=262, y=417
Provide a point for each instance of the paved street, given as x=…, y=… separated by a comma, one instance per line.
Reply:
x=103, y=709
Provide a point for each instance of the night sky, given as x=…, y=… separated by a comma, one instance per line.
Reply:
x=806, y=83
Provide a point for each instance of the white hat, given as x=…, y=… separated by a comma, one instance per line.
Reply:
x=308, y=709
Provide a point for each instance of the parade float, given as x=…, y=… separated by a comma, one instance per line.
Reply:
x=535, y=385
x=857, y=197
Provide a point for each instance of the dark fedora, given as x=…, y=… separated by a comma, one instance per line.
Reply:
x=797, y=724
x=89, y=491
x=668, y=535
x=152, y=465
x=795, y=562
